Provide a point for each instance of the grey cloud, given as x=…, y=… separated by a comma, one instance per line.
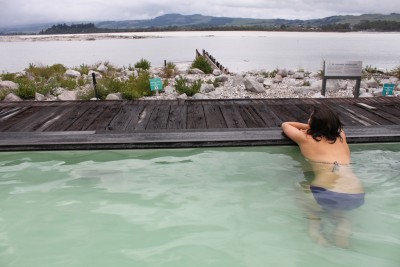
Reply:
x=38, y=11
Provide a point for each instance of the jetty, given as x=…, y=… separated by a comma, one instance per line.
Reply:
x=139, y=124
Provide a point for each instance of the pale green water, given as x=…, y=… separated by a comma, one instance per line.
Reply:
x=190, y=207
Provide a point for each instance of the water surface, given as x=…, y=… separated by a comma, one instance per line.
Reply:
x=185, y=207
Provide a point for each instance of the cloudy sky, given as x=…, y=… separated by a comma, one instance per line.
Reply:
x=18, y=12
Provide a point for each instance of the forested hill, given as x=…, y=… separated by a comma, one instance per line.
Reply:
x=176, y=22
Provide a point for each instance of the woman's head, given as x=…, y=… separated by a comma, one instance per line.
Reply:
x=324, y=123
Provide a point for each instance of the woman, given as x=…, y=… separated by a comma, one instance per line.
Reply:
x=335, y=187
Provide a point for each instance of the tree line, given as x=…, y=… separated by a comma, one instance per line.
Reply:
x=381, y=26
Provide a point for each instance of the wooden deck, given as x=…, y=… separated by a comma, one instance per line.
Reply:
x=183, y=123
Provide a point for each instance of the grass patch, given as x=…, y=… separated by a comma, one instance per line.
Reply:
x=184, y=87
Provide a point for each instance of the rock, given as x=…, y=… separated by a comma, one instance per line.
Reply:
x=156, y=71
x=313, y=74
x=318, y=95
x=237, y=81
x=114, y=96
x=12, y=98
x=282, y=72
x=260, y=79
x=302, y=90
x=199, y=96
x=72, y=73
x=377, y=92
x=363, y=84
x=216, y=72
x=182, y=67
x=252, y=85
x=268, y=83
x=195, y=71
x=59, y=90
x=102, y=68
x=206, y=88
x=316, y=85
x=39, y=97
x=291, y=72
x=222, y=79
x=394, y=79
x=371, y=83
x=299, y=75
x=366, y=95
x=278, y=78
x=67, y=96
x=8, y=85
x=169, y=90
x=97, y=74
x=182, y=96
x=50, y=98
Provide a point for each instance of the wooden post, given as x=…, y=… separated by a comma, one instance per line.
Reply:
x=323, y=90
x=356, y=92
x=165, y=63
x=95, y=85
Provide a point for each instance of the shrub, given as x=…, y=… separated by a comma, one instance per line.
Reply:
x=46, y=72
x=143, y=64
x=306, y=83
x=27, y=88
x=68, y=83
x=202, y=64
x=396, y=72
x=84, y=69
x=184, y=87
x=8, y=76
x=169, y=70
x=137, y=87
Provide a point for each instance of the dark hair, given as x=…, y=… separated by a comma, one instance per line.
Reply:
x=325, y=123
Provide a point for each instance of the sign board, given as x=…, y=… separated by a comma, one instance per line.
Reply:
x=156, y=84
x=343, y=69
x=388, y=89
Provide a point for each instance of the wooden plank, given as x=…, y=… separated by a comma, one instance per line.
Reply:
x=159, y=117
x=365, y=117
x=267, y=115
x=8, y=112
x=214, y=117
x=81, y=123
x=67, y=116
x=195, y=116
x=177, y=139
x=103, y=121
x=250, y=117
x=346, y=118
x=177, y=117
x=19, y=120
x=232, y=116
x=129, y=110
x=140, y=122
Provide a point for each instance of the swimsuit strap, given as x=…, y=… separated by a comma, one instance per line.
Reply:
x=336, y=165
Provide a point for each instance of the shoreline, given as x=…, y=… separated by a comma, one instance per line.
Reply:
x=142, y=35
x=280, y=83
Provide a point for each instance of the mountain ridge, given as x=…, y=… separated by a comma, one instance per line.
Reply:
x=179, y=21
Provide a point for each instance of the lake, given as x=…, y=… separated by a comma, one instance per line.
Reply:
x=238, y=51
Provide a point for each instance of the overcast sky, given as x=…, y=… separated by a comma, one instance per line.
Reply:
x=17, y=12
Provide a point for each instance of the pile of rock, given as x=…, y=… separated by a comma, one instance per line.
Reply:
x=253, y=84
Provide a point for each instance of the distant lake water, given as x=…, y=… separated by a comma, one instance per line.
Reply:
x=238, y=51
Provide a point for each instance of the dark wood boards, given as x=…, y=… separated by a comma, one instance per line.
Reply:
x=159, y=118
